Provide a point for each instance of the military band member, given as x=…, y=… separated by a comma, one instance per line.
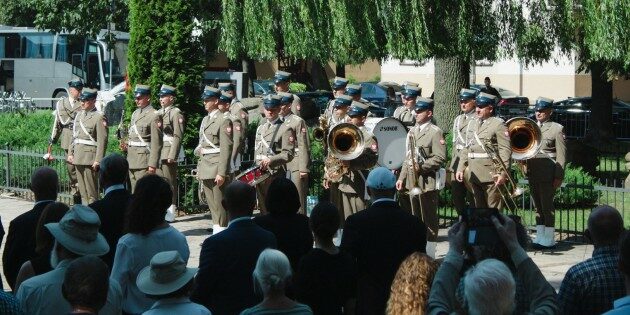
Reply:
x=458, y=189
x=339, y=88
x=214, y=151
x=545, y=172
x=282, y=80
x=88, y=145
x=414, y=84
x=476, y=167
x=340, y=111
x=240, y=121
x=173, y=131
x=274, y=147
x=65, y=112
x=405, y=113
x=428, y=140
x=145, y=137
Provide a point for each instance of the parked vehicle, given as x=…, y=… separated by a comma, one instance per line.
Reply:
x=574, y=114
x=507, y=98
x=384, y=95
x=263, y=87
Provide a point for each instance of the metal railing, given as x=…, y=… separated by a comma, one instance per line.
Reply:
x=16, y=101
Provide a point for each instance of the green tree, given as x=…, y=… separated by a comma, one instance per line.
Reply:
x=17, y=12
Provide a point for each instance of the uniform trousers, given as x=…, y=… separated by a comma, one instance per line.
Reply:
x=351, y=203
x=462, y=197
x=135, y=175
x=403, y=199
x=542, y=195
x=302, y=187
x=72, y=176
x=214, y=195
x=169, y=171
x=486, y=195
x=262, y=187
x=425, y=207
x=87, y=182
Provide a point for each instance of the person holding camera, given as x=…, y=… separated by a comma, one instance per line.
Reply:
x=489, y=286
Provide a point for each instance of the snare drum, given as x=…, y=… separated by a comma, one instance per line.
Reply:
x=253, y=176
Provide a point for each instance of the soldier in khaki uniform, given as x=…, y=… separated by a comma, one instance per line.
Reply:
x=545, y=173
x=467, y=104
x=65, y=112
x=282, y=80
x=298, y=168
x=352, y=185
x=274, y=146
x=240, y=121
x=475, y=166
x=339, y=88
x=405, y=113
x=145, y=137
x=89, y=142
x=214, y=151
x=340, y=115
x=173, y=130
x=428, y=140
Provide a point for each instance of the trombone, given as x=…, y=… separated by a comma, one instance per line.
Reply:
x=411, y=152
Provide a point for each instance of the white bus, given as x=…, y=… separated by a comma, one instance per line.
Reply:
x=41, y=63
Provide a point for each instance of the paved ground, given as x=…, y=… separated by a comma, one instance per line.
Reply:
x=553, y=265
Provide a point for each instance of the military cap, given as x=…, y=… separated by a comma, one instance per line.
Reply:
x=272, y=101
x=167, y=90
x=76, y=83
x=409, y=83
x=339, y=83
x=353, y=89
x=281, y=76
x=358, y=109
x=411, y=91
x=225, y=97
x=209, y=92
x=286, y=97
x=467, y=94
x=485, y=99
x=543, y=103
x=343, y=100
x=141, y=89
x=87, y=94
x=423, y=103
x=227, y=86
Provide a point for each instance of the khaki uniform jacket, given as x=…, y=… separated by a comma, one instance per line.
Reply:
x=330, y=109
x=147, y=130
x=240, y=119
x=548, y=164
x=296, y=106
x=94, y=123
x=494, y=130
x=215, y=145
x=431, y=140
x=302, y=157
x=460, y=137
x=173, y=131
x=334, y=121
x=281, y=151
x=354, y=181
x=65, y=112
x=405, y=115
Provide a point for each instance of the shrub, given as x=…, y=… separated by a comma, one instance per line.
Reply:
x=297, y=87
x=579, y=190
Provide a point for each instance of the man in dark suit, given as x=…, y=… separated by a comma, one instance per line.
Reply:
x=111, y=209
x=20, y=245
x=227, y=259
x=380, y=238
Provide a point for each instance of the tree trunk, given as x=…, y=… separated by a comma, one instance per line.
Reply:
x=600, y=130
x=249, y=66
x=318, y=76
x=340, y=70
x=451, y=75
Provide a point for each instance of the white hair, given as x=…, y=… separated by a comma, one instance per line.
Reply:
x=272, y=270
x=489, y=288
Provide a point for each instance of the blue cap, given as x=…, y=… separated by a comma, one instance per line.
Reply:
x=76, y=83
x=224, y=97
x=353, y=89
x=381, y=178
x=141, y=89
x=286, y=97
x=209, y=92
x=166, y=90
x=411, y=91
x=343, y=100
x=467, y=94
x=485, y=99
x=87, y=94
x=543, y=103
x=423, y=103
x=272, y=101
x=281, y=76
x=358, y=109
x=227, y=86
x=339, y=83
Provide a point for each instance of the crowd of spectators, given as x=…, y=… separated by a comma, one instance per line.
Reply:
x=119, y=256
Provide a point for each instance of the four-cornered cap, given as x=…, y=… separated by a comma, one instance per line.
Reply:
x=543, y=103
x=409, y=83
x=209, y=92
x=485, y=99
x=411, y=91
x=227, y=86
x=165, y=274
x=225, y=97
x=285, y=97
x=358, y=109
x=343, y=100
x=76, y=83
x=167, y=90
x=353, y=89
x=87, y=94
x=281, y=76
x=271, y=101
x=141, y=89
x=423, y=103
x=78, y=232
x=381, y=178
x=467, y=94
x=339, y=83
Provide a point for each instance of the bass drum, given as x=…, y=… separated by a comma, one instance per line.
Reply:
x=390, y=134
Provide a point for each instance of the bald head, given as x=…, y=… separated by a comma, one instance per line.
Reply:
x=605, y=225
x=239, y=199
x=113, y=170
x=45, y=183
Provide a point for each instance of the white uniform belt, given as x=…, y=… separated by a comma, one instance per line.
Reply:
x=86, y=142
x=261, y=156
x=166, y=138
x=473, y=155
x=459, y=146
x=137, y=144
x=543, y=155
x=210, y=151
x=297, y=150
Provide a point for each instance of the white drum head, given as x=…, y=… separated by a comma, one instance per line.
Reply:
x=390, y=134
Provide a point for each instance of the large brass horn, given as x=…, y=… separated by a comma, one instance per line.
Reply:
x=345, y=141
x=525, y=138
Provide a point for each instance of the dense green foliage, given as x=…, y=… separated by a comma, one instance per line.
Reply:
x=579, y=190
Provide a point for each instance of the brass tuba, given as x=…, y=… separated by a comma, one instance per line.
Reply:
x=345, y=142
x=525, y=138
